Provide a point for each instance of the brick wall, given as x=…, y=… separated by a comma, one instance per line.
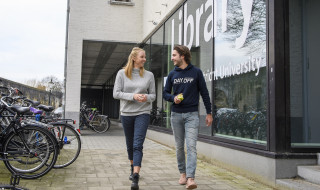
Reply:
x=34, y=93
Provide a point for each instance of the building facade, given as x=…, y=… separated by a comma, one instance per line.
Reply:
x=258, y=57
x=106, y=34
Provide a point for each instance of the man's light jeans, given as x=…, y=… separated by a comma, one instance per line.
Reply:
x=186, y=126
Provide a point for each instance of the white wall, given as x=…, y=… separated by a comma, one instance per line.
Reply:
x=149, y=13
x=96, y=20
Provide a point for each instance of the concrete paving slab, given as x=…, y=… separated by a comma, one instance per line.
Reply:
x=103, y=164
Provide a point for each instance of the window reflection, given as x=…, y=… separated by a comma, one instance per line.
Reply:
x=156, y=67
x=146, y=48
x=240, y=71
x=172, y=38
x=247, y=21
x=201, y=47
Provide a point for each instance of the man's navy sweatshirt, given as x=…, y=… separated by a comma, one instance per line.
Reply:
x=189, y=82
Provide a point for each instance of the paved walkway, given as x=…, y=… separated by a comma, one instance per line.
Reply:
x=103, y=165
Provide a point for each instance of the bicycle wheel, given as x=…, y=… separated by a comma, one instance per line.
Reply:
x=31, y=152
x=69, y=143
x=101, y=123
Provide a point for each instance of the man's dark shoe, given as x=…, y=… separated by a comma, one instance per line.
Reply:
x=135, y=181
x=130, y=177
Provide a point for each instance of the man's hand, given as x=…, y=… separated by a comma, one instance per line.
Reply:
x=177, y=100
x=209, y=120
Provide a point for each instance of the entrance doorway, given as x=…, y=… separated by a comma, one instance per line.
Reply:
x=304, y=76
x=311, y=31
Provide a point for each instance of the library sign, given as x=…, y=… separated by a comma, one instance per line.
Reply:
x=209, y=21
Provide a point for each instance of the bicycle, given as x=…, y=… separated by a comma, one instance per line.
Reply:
x=29, y=150
x=69, y=141
x=68, y=137
x=9, y=91
x=91, y=118
x=4, y=91
x=158, y=117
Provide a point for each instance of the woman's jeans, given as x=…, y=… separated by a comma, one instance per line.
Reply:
x=185, y=126
x=135, y=130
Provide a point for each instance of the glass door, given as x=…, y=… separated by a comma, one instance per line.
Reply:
x=304, y=76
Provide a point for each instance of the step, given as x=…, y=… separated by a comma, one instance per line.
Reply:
x=297, y=184
x=310, y=173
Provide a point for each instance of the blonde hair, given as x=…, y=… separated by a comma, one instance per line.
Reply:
x=128, y=68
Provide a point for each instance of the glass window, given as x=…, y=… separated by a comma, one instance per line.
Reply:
x=147, y=49
x=156, y=67
x=173, y=36
x=198, y=36
x=240, y=77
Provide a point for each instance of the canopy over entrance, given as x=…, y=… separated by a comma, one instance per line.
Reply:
x=101, y=61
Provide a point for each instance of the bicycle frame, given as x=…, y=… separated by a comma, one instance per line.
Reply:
x=88, y=118
x=12, y=126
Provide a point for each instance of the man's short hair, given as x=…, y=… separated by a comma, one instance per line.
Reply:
x=183, y=50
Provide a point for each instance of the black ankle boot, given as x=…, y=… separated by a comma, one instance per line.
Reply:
x=135, y=181
x=130, y=177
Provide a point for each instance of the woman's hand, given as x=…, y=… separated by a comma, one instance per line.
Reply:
x=140, y=97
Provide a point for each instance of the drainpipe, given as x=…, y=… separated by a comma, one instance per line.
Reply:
x=65, y=60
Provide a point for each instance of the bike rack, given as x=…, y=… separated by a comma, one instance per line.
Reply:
x=15, y=179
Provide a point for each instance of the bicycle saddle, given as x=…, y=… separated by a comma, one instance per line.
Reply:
x=45, y=108
x=19, y=109
x=34, y=103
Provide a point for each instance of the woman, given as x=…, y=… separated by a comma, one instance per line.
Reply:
x=135, y=88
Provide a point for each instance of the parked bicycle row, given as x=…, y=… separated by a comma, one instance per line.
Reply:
x=33, y=139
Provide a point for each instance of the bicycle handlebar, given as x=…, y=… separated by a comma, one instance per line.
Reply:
x=4, y=102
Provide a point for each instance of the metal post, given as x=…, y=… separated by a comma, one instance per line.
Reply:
x=50, y=86
x=49, y=98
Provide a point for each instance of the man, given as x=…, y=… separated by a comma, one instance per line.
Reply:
x=187, y=81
